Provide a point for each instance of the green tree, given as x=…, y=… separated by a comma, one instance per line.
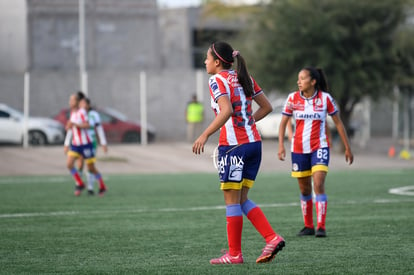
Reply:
x=351, y=40
x=404, y=77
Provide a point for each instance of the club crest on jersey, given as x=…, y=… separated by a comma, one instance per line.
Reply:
x=317, y=104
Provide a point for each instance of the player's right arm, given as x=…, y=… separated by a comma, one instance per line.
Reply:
x=349, y=157
x=226, y=110
x=66, y=143
x=282, y=128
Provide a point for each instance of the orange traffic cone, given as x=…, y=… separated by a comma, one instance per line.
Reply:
x=391, y=152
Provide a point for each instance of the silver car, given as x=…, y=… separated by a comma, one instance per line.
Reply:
x=42, y=130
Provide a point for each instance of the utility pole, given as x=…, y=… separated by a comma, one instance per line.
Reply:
x=82, y=56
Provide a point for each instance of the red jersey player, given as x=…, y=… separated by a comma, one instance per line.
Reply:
x=310, y=106
x=239, y=148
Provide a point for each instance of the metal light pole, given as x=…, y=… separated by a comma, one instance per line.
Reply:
x=143, y=105
x=82, y=56
x=26, y=96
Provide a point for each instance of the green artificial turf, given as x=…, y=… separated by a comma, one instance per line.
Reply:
x=174, y=224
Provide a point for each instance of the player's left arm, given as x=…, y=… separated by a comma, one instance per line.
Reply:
x=264, y=106
x=101, y=137
x=349, y=157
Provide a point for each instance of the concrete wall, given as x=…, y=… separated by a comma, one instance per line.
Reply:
x=13, y=42
x=176, y=39
x=121, y=34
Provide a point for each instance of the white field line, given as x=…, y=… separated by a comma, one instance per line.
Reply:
x=30, y=180
x=405, y=190
x=199, y=208
x=13, y=180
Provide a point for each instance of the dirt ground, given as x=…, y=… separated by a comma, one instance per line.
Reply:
x=177, y=157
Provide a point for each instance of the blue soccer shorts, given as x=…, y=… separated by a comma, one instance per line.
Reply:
x=238, y=165
x=304, y=165
x=86, y=151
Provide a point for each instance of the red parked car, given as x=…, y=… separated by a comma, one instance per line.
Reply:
x=116, y=125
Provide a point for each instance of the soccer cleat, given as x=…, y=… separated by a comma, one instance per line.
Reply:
x=78, y=189
x=271, y=249
x=102, y=191
x=91, y=193
x=228, y=259
x=320, y=233
x=307, y=231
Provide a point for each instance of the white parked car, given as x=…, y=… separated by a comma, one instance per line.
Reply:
x=268, y=127
x=42, y=130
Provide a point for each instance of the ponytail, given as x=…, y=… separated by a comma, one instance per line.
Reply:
x=319, y=76
x=225, y=53
x=323, y=84
x=243, y=75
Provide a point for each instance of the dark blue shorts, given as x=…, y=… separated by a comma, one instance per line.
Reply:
x=304, y=165
x=238, y=165
x=86, y=151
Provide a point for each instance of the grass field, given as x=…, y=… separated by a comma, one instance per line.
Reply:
x=174, y=224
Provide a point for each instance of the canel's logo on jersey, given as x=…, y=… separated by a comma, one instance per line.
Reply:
x=315, y=116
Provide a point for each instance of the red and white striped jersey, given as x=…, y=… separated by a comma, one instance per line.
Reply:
x=80, y=136
x=240, y=128
x=310, y=115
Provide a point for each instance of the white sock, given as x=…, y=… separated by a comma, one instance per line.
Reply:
x=91, y=180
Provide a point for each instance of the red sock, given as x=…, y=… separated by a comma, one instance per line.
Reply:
x=307, y=210
x=100, y=180
x=234, y=234
x=262, y=225
x=321, y=207
x=77, y=178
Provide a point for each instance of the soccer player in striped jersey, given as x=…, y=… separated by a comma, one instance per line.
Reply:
x=310, y=106
x=80, y=144
x=240, y=148
x=95, y=127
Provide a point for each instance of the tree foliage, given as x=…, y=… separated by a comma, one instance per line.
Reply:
x=405, y=52
x=352, y=41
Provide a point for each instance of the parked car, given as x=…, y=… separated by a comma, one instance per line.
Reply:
x=42, y=130
x=268, y=126
x=118, y=128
